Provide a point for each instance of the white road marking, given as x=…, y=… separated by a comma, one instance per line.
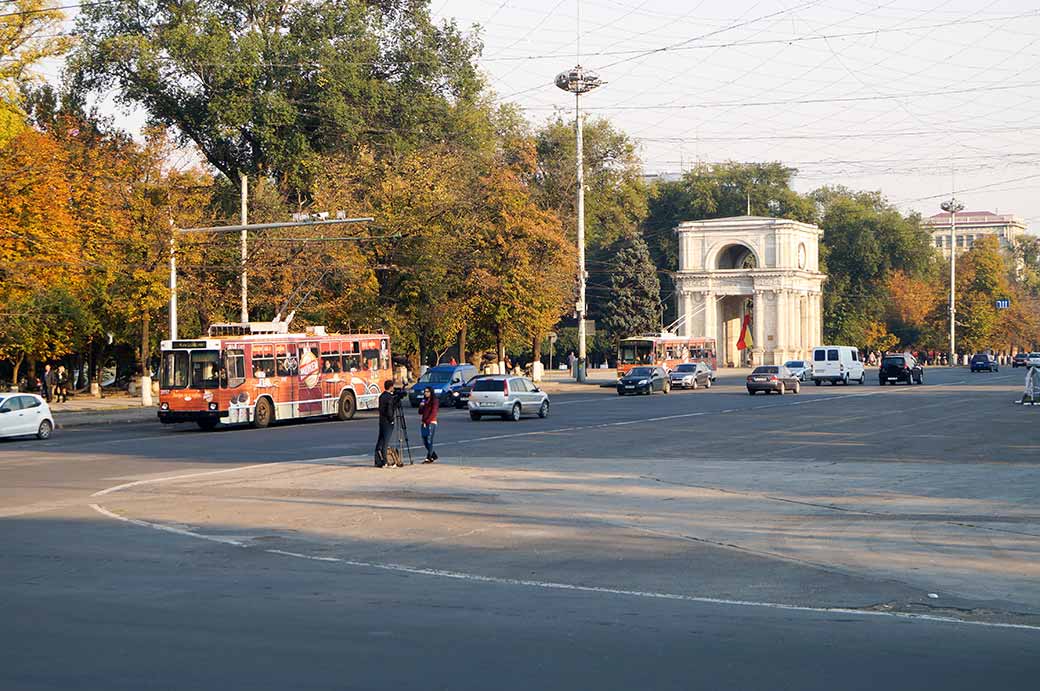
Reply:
x=552, y=585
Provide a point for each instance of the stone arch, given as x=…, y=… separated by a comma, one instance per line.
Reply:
x=735, y=255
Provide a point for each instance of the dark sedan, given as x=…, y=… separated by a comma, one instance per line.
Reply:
x=644, y=380
x=770, y=378
x=1020, y=360
x=984, y=361
x=900, y=367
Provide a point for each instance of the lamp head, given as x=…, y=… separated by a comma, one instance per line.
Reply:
x=577, y=80
x=952, y=206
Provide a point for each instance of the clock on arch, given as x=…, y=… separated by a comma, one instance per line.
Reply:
x=801, y=255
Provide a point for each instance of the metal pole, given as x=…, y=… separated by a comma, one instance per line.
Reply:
x=953, y=284
x=244, y=179
x=173, y=288
x=581, y=239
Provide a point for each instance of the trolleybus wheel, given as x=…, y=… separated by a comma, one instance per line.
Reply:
x=347, y=406
x=264, y=414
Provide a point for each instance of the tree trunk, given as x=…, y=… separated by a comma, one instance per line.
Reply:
x=462, y=344
x=146, y=346
x=500, y=350
x=536, y=349
x=17, y=366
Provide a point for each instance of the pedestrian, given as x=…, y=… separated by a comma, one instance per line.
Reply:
x=61, y=385
x=572, y=359
x=47, y=383
x=428, y=408
x=387, y=405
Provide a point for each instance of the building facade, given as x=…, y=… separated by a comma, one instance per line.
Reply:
x=768, y=267
x=972, y=225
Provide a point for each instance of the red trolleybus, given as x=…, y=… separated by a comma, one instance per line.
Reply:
x=258, y=373
x=664, y=351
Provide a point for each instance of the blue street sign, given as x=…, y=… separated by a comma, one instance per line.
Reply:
x=1003, y=304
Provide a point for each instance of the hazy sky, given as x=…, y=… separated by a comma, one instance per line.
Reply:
x=908, y=97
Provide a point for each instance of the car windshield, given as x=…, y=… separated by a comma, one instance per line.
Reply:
x=489, y=385
x=766, y=370
x=434, y=376
x=641, y=372
x=794, y=363
x=686, y=368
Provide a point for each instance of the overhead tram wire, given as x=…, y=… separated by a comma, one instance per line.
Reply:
x=43, y=10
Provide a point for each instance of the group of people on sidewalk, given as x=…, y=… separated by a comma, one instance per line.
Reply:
x=389, y=407
x=54, y=385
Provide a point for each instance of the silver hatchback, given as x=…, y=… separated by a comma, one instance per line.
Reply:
x=507, y=397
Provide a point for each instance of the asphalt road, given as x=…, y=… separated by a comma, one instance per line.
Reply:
x=704, y=539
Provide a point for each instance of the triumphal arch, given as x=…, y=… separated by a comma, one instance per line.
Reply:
x=768, y=268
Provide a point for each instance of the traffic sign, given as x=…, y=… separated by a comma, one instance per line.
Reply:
x=1003, y=304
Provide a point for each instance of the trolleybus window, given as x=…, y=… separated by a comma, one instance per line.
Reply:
x=635, y=352
x=174, y=373
x=205, y=369
x=330, y=360
x=234, y=369
x=371, y=358
x=263, y=361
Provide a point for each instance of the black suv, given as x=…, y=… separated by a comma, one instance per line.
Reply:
x=900, y=367
x=984, y=361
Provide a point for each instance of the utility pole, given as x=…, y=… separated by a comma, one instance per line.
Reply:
x=578, y=81
x=173, y=286
x=952, y=206
x=244, y=179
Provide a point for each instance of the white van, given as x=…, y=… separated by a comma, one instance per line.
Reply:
x=836, y=363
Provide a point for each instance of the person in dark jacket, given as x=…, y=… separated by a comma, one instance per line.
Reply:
x=428, y=408
x=387, y=403
x=48, y=383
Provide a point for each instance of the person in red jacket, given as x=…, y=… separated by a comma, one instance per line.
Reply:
x=428, y=408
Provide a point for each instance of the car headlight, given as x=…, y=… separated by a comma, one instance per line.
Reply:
x=644, y=382
x=688, y=377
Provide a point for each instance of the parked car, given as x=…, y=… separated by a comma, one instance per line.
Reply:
x=770, y=378
x=444, y=380
x=691, y=375
x=984, y=361
x=837, y=364
x=460, y=396
x=644, y=379
x=1020, y=360
x=507, y=397
x=1033, y=360
x=900, y=367
x=799, y=368
x=25, y=414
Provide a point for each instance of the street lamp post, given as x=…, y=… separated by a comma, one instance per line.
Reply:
x=578, y=81
x=952, y=206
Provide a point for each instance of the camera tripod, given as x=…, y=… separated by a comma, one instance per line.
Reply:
x=400, y=438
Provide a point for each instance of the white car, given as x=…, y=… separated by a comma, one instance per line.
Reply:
x=1033, y=360
x=799, y=368
x=507, y=397
x=24, y=414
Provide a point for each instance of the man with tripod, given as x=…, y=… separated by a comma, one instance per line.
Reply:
x=387, y=410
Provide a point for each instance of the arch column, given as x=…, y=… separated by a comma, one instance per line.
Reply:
x=758, y=326
x=782, y=317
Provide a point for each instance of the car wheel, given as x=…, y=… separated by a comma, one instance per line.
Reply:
x=798, y=387
x=666, y=388
x=750, y=392
x=347, y=406
x=695, y=384
x=475, y=416
x=44, y=430
x=707, y=383
x=781, y=390
x=845, y=380
x=207, y=424
x=620, y=393
x=543, y=410
x=863, y=379
x=880, y=382
x=514, y=414
x=264, y=413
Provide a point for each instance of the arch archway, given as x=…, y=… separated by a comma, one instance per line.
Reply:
x=736, y=256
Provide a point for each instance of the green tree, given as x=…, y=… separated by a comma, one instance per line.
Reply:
x=632, y=305
x=265, y=86
x=865, y=239
x=616, y=197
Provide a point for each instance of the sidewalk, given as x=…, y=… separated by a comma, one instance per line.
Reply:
x=84, y=409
